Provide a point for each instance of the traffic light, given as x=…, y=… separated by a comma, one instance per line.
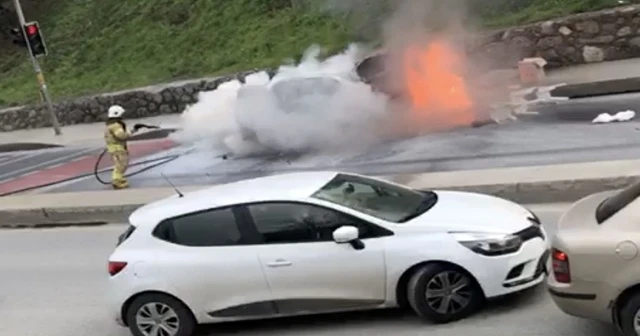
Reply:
x=36, y=41
x=38, y=47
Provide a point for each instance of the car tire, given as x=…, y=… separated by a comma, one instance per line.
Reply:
x=463, y=299
x=628, y=315
x=181, y=323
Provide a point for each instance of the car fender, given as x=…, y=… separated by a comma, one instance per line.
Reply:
x=148, y=278
x=151, y=285
x=406, y=251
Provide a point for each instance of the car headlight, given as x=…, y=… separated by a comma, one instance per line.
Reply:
x=489, y=244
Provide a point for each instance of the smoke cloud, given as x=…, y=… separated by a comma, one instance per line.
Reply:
x=314, y=105
x=322, y=105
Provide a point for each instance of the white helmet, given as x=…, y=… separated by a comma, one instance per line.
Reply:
x=115, y=111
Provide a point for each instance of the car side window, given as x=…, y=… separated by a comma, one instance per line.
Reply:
x=281, y=223
x=288, y=222
x=216, y=227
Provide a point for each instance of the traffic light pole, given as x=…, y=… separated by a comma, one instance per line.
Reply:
x=36, y=67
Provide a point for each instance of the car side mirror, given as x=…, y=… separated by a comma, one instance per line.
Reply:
x=345, y=234
x=348, y=234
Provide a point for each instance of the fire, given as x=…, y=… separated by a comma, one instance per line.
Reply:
x=438, y=95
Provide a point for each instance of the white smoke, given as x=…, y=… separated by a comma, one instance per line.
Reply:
x=303, y=113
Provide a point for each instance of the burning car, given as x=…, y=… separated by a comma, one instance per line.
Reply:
x=314, y=103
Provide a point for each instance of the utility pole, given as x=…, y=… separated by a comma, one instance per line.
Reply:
x=36, y=67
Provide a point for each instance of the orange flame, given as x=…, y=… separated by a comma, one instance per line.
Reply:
x=436, y=92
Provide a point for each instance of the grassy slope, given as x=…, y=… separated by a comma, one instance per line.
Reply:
x=103, y=45
x=517, y=12
x=100, y=45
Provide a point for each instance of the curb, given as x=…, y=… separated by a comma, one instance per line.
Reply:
x=599, y=88
x=68, y=216
x=26, y=146
x=562, y=191
x=551, y=192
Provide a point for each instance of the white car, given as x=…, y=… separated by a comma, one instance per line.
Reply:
x=302, y=105
x=316, y=242
x=284, y=95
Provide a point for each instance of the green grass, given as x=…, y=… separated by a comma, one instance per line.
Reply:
x=518, y=12
x=104, y=45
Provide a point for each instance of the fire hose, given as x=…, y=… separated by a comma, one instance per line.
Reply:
x=152, y=163
x=96, y=172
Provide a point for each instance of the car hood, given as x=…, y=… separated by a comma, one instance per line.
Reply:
x=465, y=211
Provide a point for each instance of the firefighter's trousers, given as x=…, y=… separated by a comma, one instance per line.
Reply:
x=120, y=159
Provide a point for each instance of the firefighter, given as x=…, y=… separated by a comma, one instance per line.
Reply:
x=116, y=136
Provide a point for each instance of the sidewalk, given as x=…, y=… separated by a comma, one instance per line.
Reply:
x=593, y=79
x=82, y=134
x=530, y=185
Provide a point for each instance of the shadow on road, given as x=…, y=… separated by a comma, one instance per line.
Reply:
x=25, y=146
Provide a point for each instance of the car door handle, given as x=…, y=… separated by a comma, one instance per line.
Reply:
x=279, y=263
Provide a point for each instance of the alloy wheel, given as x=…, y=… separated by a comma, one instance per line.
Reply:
x=449, y=292
x=157, y=319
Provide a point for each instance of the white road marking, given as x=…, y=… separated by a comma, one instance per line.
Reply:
x=10, y=157
x=46, y=164
x=18, y=158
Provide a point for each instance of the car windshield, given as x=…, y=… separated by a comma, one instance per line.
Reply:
x=293, y=91
x=376, y=198
x=617, y=202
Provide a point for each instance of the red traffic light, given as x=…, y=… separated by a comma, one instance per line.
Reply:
x=32, y=30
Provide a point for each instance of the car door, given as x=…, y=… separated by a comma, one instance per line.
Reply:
x=306, y=270
x=211, y=265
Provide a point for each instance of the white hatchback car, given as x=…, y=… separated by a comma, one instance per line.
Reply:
x=315, y=242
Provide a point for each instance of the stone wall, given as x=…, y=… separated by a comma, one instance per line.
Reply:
x=605, y=35
x=139, y=103
x=590, y=37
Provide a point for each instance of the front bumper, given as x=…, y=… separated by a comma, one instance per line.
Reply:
x=514, y=277
x=515, y=272
x=520, y=270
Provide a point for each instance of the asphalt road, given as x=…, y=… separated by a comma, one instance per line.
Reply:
x=52, y=284
x=16, y=164
x=564, y=134
x=494, y=146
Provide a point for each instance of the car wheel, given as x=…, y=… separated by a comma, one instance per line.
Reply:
x=441, y=293
x=159, y=315
x=630, y=316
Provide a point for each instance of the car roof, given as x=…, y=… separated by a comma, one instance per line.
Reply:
x=285, y=186
x=282, y=79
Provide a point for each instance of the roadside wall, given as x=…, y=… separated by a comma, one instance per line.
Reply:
x=584, y=38
x=140, y=103
x=605, y=35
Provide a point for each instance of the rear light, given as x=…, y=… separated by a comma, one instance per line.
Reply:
x=116, y=266
x=560, y=263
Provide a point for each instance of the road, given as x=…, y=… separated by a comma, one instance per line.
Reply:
x=53, y=281
x=28, y=169
x=563, y=134
x=493, y=146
